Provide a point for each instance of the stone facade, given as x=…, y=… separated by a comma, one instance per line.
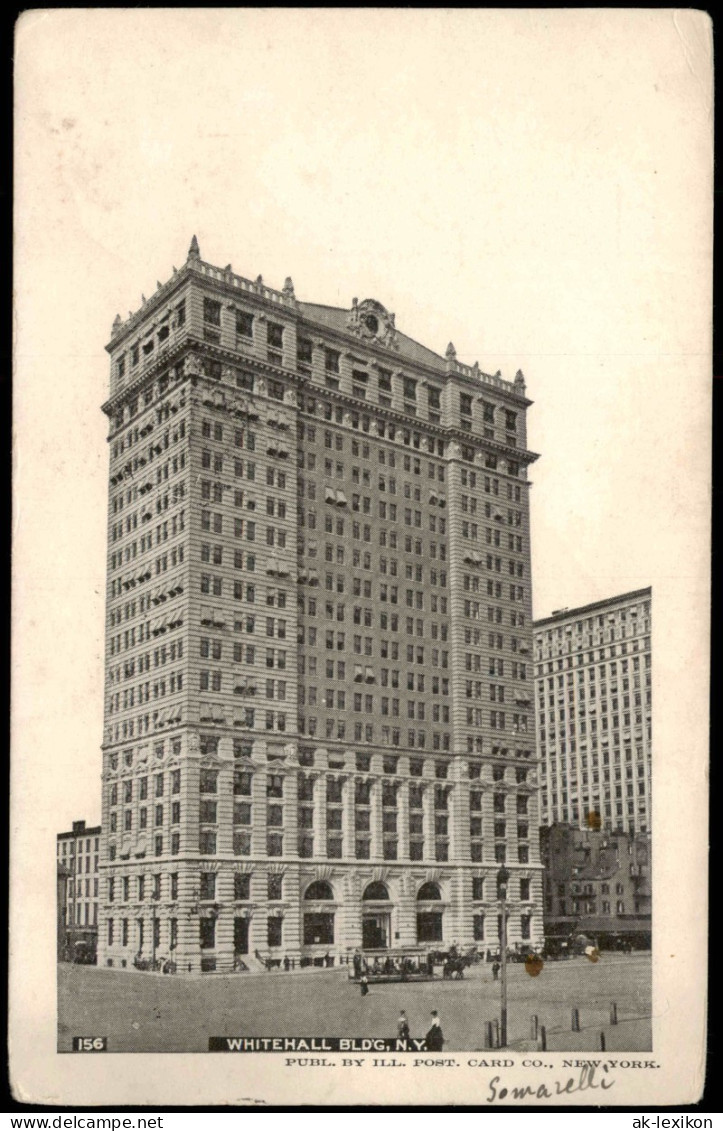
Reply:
x=319, y=732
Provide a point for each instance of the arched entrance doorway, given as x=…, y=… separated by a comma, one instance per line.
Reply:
x=429, y=917
x=318, y=920
x=376, y=917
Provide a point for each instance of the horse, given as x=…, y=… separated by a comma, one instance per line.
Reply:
x=454, y=967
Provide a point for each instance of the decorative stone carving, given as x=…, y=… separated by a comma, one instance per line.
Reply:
x=371, y=321
x=323, y=872
x=193, y=364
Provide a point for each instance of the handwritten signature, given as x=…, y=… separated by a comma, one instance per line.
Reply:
x=586, y=1081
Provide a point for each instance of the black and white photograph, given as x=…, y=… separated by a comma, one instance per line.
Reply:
x=361, y=573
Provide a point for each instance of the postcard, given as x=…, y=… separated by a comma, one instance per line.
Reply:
x=361, y=557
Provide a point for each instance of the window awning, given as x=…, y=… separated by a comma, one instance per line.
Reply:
x=329, y=495
x=341, y=499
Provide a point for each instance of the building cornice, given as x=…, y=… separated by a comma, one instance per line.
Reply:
x=266, y=298
x=618, y=601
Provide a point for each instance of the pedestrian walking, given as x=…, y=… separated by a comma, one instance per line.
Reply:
x=364, y=985
x=403, y=1026
x=495, y=970
x=435, y=1036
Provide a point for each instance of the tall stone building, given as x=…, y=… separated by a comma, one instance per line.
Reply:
x=592, y=690
x=319, y=729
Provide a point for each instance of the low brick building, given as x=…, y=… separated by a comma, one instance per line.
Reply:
x=596, y=883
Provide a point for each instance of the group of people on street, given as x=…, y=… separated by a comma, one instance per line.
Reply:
x=434, y=1038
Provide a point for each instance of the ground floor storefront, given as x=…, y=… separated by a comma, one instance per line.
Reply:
x=227, y=917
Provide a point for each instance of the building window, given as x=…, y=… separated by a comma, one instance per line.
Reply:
x=207, y=933
x=244, y=324
x=212, y=312
x=273, y=930
x=208, y=885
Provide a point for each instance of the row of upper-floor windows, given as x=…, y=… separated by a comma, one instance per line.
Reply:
x=173, y=319
x=583, y=660
x=336, y=730
x=389, y=539
x=595, y=696
x=244, y=327
x=159, y=657
x=158, y=783
x=387, y=512
x=137, y=433
x=161, y=564
x=413, y=464
x=630, y=614
x=145, y=513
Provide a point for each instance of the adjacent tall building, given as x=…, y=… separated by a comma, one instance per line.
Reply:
x=319, y=728
x=592, y=693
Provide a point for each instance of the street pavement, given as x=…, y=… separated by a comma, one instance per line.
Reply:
x=146, y=1012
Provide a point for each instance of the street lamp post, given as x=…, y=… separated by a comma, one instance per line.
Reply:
x=502, y=878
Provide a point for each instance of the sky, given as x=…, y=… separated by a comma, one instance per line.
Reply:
x=507, y=181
